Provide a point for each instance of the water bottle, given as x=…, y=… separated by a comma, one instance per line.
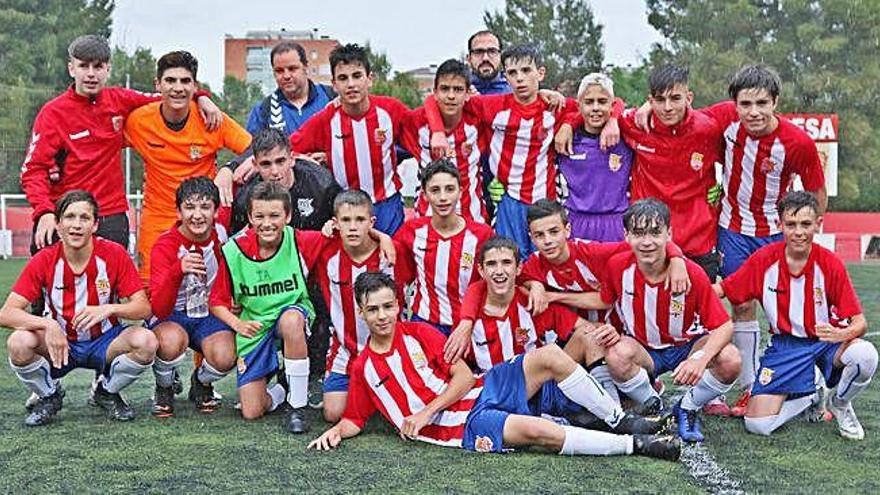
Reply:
x=196, y=293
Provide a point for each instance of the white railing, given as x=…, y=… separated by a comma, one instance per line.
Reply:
x=134, y=201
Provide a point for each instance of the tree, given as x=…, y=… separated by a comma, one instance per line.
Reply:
x=402, y=86
x=824, y=50
x=239, y=98
x=140, y=66
x=564, y=31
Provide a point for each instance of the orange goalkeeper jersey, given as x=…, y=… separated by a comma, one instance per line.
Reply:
x=170, y=157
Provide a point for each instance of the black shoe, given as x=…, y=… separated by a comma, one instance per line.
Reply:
x=633, y=423
x=163, y=402
x=296, y=422
x=202, y=395
x=116, y=407
x=45, y=408
x=653, y=407
x=176, y=383
x=666, y=447
x=588, y=420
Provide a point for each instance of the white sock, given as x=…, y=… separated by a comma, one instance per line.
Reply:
x=579, y=441
x=603, y=376
x=123, y=371
x=297, y=371
x=638, y=388
x=36, y=377
x=746, y=338
x=705, y=390
x=277, y=393
x=208, y=374
x=164, y=370
x=768, y=424
x=584, y=390
x=859, y=365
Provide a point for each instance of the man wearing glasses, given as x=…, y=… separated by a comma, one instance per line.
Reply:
x=484, y=57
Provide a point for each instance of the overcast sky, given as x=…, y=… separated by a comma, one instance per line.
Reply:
x=412, y=33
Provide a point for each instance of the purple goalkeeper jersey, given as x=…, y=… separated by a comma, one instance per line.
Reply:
x=598, y=181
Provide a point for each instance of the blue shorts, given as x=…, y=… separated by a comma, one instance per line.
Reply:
x=90, y=354
x=389, y=214
x=198, y=329
x=262, y=360
x=510, y=221
x=335, y=382
x=444, y=329
x=669, y=358
x=736, y=248
x=787, y=366
x=504, y=393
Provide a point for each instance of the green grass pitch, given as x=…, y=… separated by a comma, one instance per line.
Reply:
x=84, y=452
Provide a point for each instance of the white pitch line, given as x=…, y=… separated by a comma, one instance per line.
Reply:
x=705, y=470
x=872, y=334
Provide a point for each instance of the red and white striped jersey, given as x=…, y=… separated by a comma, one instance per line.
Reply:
x=402, y=381
x=360, y=151
x=443, y=267
x=795, y=303
x=653, y=315
x=465, y=145
x=520, y=143
x=335, y=272
x=166, y=291
x=759, y=171
x=495, y=339
x=109, y=276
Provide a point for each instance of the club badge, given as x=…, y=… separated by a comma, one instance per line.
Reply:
x=467, y=261
x=380, y=135
x=614, y=162
x=103, y=287
x=483, y=444
x=696, y=161
x=676, y=308
x=767, y=165
x=467, y=148
x=818, y=296
x=242, y=366
x=766, y=376
x=117, y=120
x=419, y=360
x=195, y=152
x=305, y=207
x=522, y=336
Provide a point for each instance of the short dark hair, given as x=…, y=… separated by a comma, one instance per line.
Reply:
x=483, y=32
x=269, y=191
x=351, y=53
x=499, y=242
x=544, y=208
x=522, y=53
x=665, y=77
x=288, y=46
x=795, y=201
x=645, y=214
x=352, y=197
x=89, y=48
x=75, y=196
x=179, y=58
x=269, y=138
x=368, y=282
x=453, y=67
x=439, y=166
x=754, y=77
x=199, y=187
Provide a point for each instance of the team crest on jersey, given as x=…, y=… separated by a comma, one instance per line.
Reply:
x=242, y=366
x=766, y=376
x=676, y=308
x=696, y=161
x=767, y=165
x=467, y=148
x=195, y=152
x=380, y=135
x=467, y=260
x=116, y=120
x=305, y=207
x=483, y=444
x=818, y=296
x=522, y=336
x=103, y=287
x=419, y=360
x=614, y=162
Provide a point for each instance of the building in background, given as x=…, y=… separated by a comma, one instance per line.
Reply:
x=424, y=76
x=247, y=59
